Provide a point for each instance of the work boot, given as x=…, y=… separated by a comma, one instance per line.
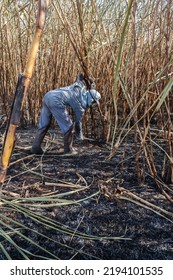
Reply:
x=36, y=146
x=68, y=142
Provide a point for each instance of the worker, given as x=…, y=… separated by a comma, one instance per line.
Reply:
x=55, y=103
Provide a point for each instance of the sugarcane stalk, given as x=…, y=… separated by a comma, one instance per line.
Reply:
x=21, y=91
x=82, y=55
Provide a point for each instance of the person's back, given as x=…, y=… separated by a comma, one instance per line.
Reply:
x=70, y=96
x=55, y=102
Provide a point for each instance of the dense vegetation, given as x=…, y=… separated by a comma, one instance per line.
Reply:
x=128, y=51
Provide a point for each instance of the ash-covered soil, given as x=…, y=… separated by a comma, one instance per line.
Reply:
x=111, y=219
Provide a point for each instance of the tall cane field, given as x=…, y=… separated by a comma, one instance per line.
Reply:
x=127, y=48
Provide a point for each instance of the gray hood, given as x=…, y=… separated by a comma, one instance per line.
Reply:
x=88, y=97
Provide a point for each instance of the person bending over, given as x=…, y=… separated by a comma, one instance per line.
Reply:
x=55, y=103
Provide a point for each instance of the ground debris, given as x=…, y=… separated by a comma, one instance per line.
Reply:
x=111, y=203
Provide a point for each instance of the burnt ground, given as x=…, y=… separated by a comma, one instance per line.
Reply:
x=110, y=219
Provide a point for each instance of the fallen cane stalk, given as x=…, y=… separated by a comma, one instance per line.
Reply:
x=147, y=207
x=127, y=195
x=20, y=159
x=63, y=185
x=12, y=194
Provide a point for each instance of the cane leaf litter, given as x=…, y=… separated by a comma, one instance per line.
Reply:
x=82, y=206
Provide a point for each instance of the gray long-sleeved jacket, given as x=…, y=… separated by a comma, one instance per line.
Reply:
x=75, y=96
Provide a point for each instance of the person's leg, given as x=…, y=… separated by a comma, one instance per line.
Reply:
x=44, y=124
x=65, y=123
x=68, y=141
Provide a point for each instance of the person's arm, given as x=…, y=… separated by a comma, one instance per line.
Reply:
x=78, y=124
x=78, y=130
